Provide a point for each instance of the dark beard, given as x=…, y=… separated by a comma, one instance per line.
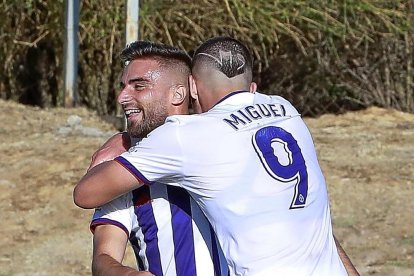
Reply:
x=152, y=119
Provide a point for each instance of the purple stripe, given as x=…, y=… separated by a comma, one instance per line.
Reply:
x=229, y=95
x=105, y=221
x=133, y=239
x=182, y=231
x=141, y=178
x=215, y=253
x=146, y=221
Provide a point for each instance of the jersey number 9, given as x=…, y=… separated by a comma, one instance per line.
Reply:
x=283, y=160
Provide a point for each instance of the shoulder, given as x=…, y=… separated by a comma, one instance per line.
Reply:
x=120, y=203
x=181, y=120
x=178, y=124
x=275, y=99
x=270, y=98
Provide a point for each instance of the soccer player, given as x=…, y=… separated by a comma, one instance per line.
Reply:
x=248, y=161
x=168, y=232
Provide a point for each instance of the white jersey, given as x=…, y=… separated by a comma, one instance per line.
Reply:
x=251, y=165
x=167, y=230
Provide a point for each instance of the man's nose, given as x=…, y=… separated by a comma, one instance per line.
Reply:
x=124, y=96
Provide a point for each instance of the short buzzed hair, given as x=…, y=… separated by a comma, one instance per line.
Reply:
x=225, y=54
x=165, y=55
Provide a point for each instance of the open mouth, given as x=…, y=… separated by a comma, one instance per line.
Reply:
x=130, y=112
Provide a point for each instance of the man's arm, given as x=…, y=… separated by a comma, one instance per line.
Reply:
x=115, y=146
x=109, y=244
x=104, y=183
x=350, y=268
x=153, y=158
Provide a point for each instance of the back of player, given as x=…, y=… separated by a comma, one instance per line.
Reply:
x=256, y=178
x=261, y=176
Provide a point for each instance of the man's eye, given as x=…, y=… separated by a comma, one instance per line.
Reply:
x=139, y=87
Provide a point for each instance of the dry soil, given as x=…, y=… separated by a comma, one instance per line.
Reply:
x=367, y=157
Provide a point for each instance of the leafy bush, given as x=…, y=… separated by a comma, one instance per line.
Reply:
x=324, y=56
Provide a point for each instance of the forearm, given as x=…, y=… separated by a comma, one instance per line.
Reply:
x=350, y=268
x=102, y=184
x=109, y=244
x=105, y=265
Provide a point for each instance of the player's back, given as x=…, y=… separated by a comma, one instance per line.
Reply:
x=251, y=165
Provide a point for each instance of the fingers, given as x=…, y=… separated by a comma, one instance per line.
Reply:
x=113, y=147
x=103, y=155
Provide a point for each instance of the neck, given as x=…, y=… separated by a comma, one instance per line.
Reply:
x=216, y=95
x=178, y=110
x=213, y=85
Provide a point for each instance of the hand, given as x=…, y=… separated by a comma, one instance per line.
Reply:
x=116, y=145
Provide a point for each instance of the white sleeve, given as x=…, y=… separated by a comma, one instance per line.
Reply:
x=158, y=157
x=116, y=212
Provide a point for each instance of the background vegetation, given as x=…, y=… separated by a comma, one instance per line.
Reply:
x=323, y=55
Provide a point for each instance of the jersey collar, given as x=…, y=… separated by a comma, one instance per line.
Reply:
x=229, y=95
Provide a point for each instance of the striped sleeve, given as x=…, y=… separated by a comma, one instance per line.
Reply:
x=116, y=212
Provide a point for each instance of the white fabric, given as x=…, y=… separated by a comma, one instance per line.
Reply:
x=263, y=224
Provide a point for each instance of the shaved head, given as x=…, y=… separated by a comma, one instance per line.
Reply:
x=220, y=65
x=225, y=55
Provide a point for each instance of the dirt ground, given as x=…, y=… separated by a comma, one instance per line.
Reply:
x=367, y=158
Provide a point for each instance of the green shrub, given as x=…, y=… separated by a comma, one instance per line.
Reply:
x=324, y=56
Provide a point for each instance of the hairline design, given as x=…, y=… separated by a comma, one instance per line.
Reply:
x=226, y=56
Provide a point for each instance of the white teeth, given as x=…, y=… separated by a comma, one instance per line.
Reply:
x=132, y=111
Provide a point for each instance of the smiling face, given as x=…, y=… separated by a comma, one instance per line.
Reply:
x=145, y=95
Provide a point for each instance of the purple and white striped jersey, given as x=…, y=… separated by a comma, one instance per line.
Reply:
x=168, y=232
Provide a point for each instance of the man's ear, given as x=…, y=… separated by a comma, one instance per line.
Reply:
x=179, y=94
x=193, y=88
x=253, y=87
